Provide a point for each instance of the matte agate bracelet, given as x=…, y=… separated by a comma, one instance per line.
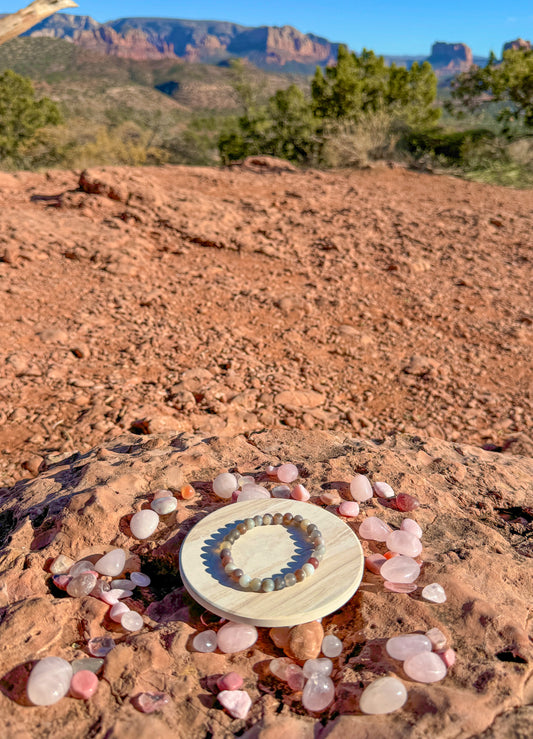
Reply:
x=278, y=582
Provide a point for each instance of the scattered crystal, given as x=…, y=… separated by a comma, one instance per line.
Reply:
x=252, y=492
x=400, y=569
x=404, y=543
x=110, y=596
x=437, y=639
x=244, y=480
x=84, y=684
x=112, y=563
x=374, y=528
x=404, y=502
x=49, y=681
x=231, y=681
x=234, y=637
x=287, y=472
x=140, y=579
x=61, y=581
x=408, y=524
x=400, y=587
x=80, y=567
x=150, y=702
x=373, y=563
x=143, y=524
x=123, y=584
x=331, y=646
x=384, y=695
x=320, y=666
x=425, y=667
x=205, y=641
x=360, y=488
x=81, y=585
x=407, y=645
x=434, y=593
x=383, y=490
x=281, y=491
x=349, y=508
x=162, y=494
x=117, y=611
x=448, y=657
x=61, y=565
x=99, y=646
x=280, y=667
x=102, y=586
x=299, y=492
x=131, y=621
x=87, y=663
x=318, y=693
x=236, y=702
x=295, y=678
x=224, y=485
x=164, y=506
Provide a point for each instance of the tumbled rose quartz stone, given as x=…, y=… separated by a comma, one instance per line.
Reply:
x=164, y=506
x=434, y=593
x=140, y=579
x=331, y=646
x=320, y=666
x=404, y=543
x=81, y=585
x=404, y=502
x=80, y=567
x=61, y=565
x=150, y=702
x=49, y=681
x=252, y=492
x=236, y=702
x=233, y=637
x=299, y=492
x=349, y=508
x=131, y=621
x=99, y=646
x=407, y=645
x=231, y=681
x=295, y=678
x=224, y=485
x=244, y=480
x=374, y=562
x=281, y=491
x=111, y=597
x=408, y=524
x=425, y=667
x=318, y=693
x=448, y=657
x=383, y=490
x=437, y=638
x=84, y=684
x=287, y=472
x=144, y=523
x=122, y=584
x=205, y=641
x=374, y=528
x=117, y=611
x=162, y=494
x=112, y=563
x=400, y=587
x=384, y=695
x=360, y=488
x=400, y=569
x=271, y=471
x=61, y=581
x=280, y=667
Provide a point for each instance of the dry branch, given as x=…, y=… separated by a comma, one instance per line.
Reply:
x=16, y=23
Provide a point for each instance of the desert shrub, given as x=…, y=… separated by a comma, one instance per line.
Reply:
x=447, y=147
x=374, y=136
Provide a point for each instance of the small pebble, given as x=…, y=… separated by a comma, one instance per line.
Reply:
x=434, y=593
x=408, y=524
x=244, y=480
x=405, y=646
x=287, y=472
x=187, y=492
x=205, y=641
x=384, y=695
x=143, y=524
x=400, y=587
x=404, y=543
x=299, y=492
x=81, y=585
x=87, y=663
x=122, y=584
x=281, y=667
x=404, y=502
x=84, y=684
x=117, y=611
x=271, y=471
x=320, y=666
x=99, y=646
x=231, y=681
x=236, y=702
x=131, y=621
x=296, y=678
x=425, y=667
x=112, y=563
x=80, y=567
x=162, y=494
x=61, y=581
x=360, y=488
x=448, y=656
x=140, y=579
x=437, y=639
x=235, y=637
x=383, y=490
x=374, y=562
x=111, y=597
x=330, y=497
x=150, y=702
x=375, y=529
x=252, y=492
x=318, y=693
x=349, y=508
x=400, y=569
x=164, y=506
x=331, y=646
x=281, y=491
x=61, y=565
x=224, y=485
x=49, y=681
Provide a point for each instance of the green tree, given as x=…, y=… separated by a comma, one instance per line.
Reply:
x=22, y=115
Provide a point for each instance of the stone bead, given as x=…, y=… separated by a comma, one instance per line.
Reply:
x=290, y=579
x=384, y=695
x=99, y=646
x=236, y=702
x=226, y=552
x=81, y=585
x=304, y=523
x=205, y=641
x=318, y=554
x=267, y=585
x=49, y=681
x=112, y=563
x=267, y=519
x=434, y=593
x=312, y=561
x=319, y=666
x=331, y=646
x=437, y=639
x=400, y=587
x=140, y=579
x=448, y=657
x=287, y=519
x=279, y=583
x=255, y=584
x=230, y=681
x=300, y=575
x=117, y=611
x=150, y=702
x=252, y=492
x=308, y=569
x=299, y=492
x=143, y=524
x=374, y=529
x=318, y=693
x=374, y=562
x=404, y=502
x=122, y=584
x=84, y=684
x=296, y=520
x=61, y=565
x=278, y=519
x=187, y=492
x=80, y=567
x=407, y=645
x=360, y=488
x=258, y=520
x=349, y=508
x=164, y=506
x=400, y=569
x=229, y=567
x=236, y=574
x=305, y=641
x=234, y=637
x=425, y=667
x=249, y=523
x=244, y=581
x=87, y=663
x=287, y=472
x=281, y=491
x=408, y=524
x=383, y=490
x=224, y=485
x=404, y=543
x=131, y=621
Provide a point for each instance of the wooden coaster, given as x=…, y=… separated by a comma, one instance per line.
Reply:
x=269, y=550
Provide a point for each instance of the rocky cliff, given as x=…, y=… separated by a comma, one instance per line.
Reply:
x=450, y=58
x=518, y=43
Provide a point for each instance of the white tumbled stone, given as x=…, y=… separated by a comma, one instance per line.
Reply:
x=164, y=506
x=434, y=593
x=140, y=579
x=384, y=695
x=224, y=485
x=49, y=681
x=143, y=524
x=112, y=563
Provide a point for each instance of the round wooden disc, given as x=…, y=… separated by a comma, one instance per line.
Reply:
x=270, y=550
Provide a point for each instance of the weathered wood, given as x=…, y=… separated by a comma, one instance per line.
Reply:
x=16, y=23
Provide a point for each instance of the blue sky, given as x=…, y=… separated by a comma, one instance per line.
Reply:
x=389, y=26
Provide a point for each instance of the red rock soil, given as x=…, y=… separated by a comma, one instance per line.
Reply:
x=234, y=300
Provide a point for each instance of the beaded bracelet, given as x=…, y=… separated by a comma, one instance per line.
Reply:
x=267, y=584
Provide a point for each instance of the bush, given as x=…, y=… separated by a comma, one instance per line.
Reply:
x=447, y=147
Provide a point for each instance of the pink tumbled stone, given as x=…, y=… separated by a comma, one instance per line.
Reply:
x=252, y=492
x=231, y=681
x=296, y=678
x=150, y=702
x=61, y=581
x=287, y=472
x=281, y=667
x=448, y=657
x=400, y=587
x=319, y=693
x=383, y=490
x=374, y=528
x=349, y=508
x=404, y=543
x=360, y=488
x=116, y=612
x=404, y=502
x=236, y=702
x=83, y=684
x=425, y=667
x=234, y=637
x=374, y=562
x=400, y=569
x=271, y=471
x=408, y=524
x=300, y=493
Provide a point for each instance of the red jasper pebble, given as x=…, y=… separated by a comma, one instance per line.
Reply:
x=313, y=561
x=404, y=502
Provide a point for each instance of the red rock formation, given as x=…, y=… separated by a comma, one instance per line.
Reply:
x=518, y=43
x=450, y=58
x=134, y=44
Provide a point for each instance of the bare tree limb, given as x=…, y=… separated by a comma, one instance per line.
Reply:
x=16, y=23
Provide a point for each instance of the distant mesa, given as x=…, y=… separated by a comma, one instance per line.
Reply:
x=450, y=58
x=518, y=43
